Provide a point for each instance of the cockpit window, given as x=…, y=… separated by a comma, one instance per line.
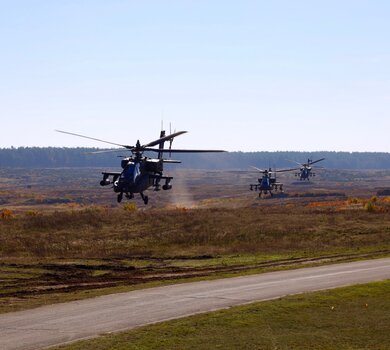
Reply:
x=265, y=181
x=131, y=172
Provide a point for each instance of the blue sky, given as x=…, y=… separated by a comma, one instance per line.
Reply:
x=238, y=75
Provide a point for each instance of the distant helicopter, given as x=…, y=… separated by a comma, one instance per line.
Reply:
x=267, y=183
x=140, y=172
x=305, y=170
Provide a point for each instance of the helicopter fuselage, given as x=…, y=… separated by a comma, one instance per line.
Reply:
x=267, y=184
x=135, y=183
x=306, y=169
x=136, y=177
x=305, y=173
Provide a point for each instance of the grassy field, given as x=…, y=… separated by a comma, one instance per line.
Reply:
x=99, y=232
x=356, y=317
x=59, y=189
x=63, y=237
x=48, y=257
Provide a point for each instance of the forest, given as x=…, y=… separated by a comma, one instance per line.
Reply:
x=52, y=157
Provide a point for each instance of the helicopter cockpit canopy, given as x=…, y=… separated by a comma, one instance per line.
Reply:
x=265, y=181
x=131, y=172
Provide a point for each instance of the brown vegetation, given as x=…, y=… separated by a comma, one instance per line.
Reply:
x=60, y=233
x=6, y=214
x=99, y=232
x=44, y=254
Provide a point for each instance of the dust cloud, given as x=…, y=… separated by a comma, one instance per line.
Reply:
x=180, y=195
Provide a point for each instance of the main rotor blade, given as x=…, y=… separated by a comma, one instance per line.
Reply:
x=171, y=161
x=107, y=151
x=285, y=170
x=183, y=150
x=92, y=138
x=316, y=161
x=260, y=170
x=293, y=161
x=163, y=139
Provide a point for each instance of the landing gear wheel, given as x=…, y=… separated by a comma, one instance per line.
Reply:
x=120, y=197
x=144, y=198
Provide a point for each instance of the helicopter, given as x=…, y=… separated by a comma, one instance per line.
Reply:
x=267, y=183
x=140, y=172
x=305, y=170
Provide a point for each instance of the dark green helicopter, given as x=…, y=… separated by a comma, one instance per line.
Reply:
x=305, y=169
x=141, y=172
x=267, y=183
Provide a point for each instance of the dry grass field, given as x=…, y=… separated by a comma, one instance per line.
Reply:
x=57, y=189
x=63, y=237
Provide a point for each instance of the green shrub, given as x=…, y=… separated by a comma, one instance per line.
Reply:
x=130, y=207
x=370, y=207
x=33, y=213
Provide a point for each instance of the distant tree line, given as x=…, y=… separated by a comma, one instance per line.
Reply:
x=51, y=157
